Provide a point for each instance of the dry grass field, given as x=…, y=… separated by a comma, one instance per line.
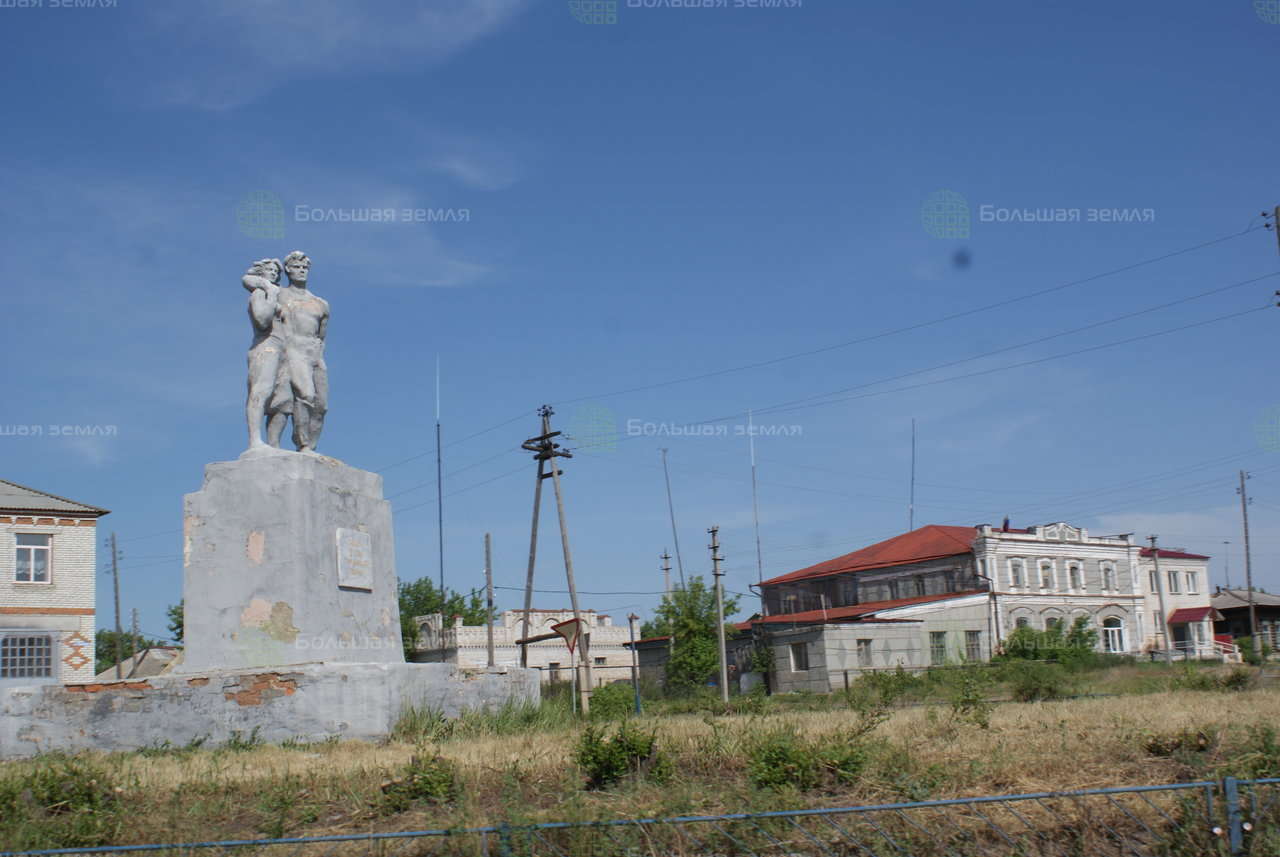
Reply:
x=523, y=769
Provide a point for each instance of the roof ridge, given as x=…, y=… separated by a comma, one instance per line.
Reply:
x=54, y=496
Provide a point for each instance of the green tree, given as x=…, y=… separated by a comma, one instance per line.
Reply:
x=104, y=648
x=422, y=597
x=174, y=612
x=688, y=615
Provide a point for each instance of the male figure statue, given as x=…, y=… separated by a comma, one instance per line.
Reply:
x=261, y=281
x=303, y=319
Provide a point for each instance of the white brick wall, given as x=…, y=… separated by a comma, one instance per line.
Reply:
x=66, y=604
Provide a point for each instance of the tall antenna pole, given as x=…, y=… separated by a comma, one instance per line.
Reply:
x=755, y=504
x=1248, y=566
x=439, y=485
x=666, y=572
x=716, y=573
x=911, y=503
x=671, y=509
x=115, y=581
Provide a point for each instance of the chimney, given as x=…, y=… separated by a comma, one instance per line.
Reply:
x=1005, y=527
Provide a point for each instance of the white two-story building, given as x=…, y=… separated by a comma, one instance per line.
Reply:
x=47, y=587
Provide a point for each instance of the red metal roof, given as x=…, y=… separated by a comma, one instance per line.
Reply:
x=932, y=541
x=1168, y=554
x=1190, y=614
x=836, y=614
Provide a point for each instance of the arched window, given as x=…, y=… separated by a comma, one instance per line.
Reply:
x=1113, y=634
x=1022, y=622
x=1052, y=623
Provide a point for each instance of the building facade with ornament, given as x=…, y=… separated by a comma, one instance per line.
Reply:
x=48, y=580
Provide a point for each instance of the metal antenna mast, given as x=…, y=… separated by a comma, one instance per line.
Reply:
x=671, y=509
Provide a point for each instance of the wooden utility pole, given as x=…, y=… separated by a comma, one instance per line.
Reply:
x=1248, y=566
x=635, y=660
x=533, y=534
x=1164, y=615
x=115, y=581
x=488, y=588
x=755, y=505
x=716, y=573
x=671, y=510
x=544, y=450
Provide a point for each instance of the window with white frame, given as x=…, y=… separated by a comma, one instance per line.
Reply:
x=799, y=657
x=1075, y=577
x=1113, y=634
x=973, y=645
x=1192, y=579
x=33, y=558
x=1109, y=577
x=1174, y=588
x=937, y=648
x=553, y=671
x=1046, y=574
x=26, y=655
x=1151, y=579
x=1017, y=572
x=864, y=653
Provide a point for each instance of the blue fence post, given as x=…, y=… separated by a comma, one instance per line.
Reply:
x=1235, y=823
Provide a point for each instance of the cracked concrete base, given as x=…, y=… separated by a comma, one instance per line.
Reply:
x=306, y=702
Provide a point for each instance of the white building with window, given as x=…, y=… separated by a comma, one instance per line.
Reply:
x=467, y=645
x=1183, y=580
x=47, y=587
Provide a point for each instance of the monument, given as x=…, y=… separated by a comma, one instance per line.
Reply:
x=291, y=616
x=289, y=556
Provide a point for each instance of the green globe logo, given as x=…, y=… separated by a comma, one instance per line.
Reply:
x=1267, y=430
x=593, y=429
x=594, y=11
x=1268, y=10
x=261, y=215
x=945, y=214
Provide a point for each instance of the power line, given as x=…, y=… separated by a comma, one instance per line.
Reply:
x=461, y=490
x=522, y=415
x=917, y=326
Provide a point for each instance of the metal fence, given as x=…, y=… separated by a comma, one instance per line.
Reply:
x=1230, y=818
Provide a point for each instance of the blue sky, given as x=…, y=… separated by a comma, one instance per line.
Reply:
x=677, y=193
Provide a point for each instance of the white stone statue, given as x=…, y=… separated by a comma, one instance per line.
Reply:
x=287, y=373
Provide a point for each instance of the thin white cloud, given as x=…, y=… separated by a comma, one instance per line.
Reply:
x=220, y=55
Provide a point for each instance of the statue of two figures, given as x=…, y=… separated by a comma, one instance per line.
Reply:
x=287, y=375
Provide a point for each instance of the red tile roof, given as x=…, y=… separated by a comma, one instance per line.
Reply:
x=1168, y=554
x=933, y=541
x=1191, y=614
x=857, y=611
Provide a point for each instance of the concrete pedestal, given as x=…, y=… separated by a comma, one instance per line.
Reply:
x=289, y=559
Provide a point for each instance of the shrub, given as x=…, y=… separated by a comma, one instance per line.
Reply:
x=433, y=779
x=613, y=701
x=629, y=752
x=1200, y=678
x=63, y=802
x=1033, y=681
x=969, y=702
x=781, y=758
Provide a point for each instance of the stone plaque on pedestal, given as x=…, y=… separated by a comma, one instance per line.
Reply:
x=289, y=559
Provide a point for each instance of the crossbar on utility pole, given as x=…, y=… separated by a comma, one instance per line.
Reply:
x=1164, y=615
x=716, y=574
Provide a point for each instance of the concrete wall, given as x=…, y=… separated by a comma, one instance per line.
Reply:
x=310, y=702
x=64, y=605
